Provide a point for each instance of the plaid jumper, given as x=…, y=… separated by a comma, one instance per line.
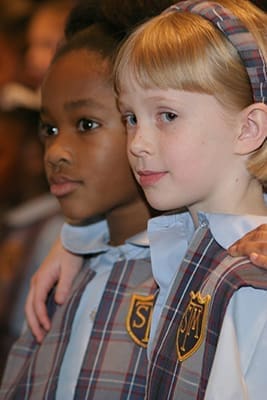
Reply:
x=207, y=269
x=114, y=366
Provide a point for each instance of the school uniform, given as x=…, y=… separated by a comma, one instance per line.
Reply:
x=34, y=226
x=100, y=370
x=96, y=348
x=28, y=232
x=209, y=329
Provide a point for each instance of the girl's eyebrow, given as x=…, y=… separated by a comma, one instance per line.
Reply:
x=120, y=104
x=76, y=104
x=43, y=110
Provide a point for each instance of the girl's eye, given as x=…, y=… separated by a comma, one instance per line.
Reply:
x=168, y=116
x=46, y=130
x=130, y=119
x=87, y=125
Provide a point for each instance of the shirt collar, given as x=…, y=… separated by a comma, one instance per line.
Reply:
x=170, y=235
x=225, y=228
x=94, y=238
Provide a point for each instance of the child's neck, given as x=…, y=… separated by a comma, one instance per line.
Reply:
x=247, y=200
x=126, y=221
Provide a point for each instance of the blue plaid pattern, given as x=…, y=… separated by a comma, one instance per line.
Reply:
x=206, y=268
x=242, y=39
x=114, y=366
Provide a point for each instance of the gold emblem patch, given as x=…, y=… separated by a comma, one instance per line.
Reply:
x=139, y=317
x=191, y=330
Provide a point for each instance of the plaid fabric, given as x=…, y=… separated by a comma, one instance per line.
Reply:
x=19, y=258
x=206, y=268
x=32, y=370
x=235, y=31
x=15, y=252
x=114, y=366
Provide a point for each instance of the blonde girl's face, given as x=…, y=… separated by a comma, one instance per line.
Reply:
x=180, y=146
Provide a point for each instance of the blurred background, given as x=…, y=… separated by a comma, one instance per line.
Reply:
x=30, y=217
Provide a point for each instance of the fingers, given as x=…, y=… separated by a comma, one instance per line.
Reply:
x=257, y=252
x=246, y=249
x=60, y=267
x=252, y=245
x=36, y=312
x=240, y=248
x=41, y=283
x=253, y=241
x=259, y=260
x=38, y=320
x=72, y=265
x=64, y=284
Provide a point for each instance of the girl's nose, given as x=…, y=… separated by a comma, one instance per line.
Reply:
x=139, y=144
x=57, y=154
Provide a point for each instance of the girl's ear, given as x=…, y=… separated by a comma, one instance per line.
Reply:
x=253, y=128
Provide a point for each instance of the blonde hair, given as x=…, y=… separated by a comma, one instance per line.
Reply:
x=184, y=51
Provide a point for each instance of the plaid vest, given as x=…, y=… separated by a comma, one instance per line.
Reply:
x=115, y=363
x=191, y=321
x=22, y=249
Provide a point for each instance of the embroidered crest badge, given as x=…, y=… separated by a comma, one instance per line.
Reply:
x=139, y=317
x=191, y=330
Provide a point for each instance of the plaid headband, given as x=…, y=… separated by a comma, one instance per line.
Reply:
x=238, y=35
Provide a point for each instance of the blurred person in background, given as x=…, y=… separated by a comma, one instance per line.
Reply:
x=43, y=33
x=30, y=217
x=14, y=18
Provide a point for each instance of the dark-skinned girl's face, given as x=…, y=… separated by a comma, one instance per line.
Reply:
x=84, y=138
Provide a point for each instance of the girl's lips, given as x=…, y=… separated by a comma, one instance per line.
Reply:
x=148, y=178
x=63, y=187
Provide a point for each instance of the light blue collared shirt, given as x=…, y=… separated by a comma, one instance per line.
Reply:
x=91, y=240
x=239, y=366
x=169, y=236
